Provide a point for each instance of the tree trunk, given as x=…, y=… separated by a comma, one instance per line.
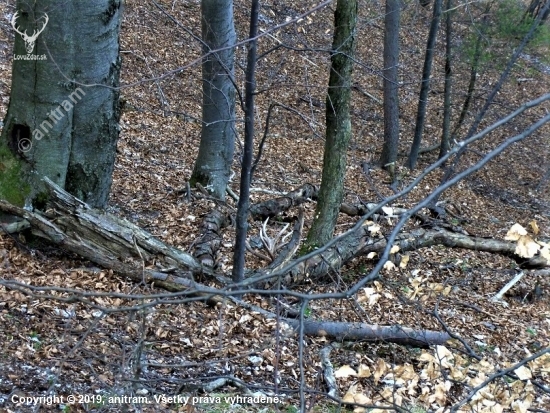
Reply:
x=537, y=7
x=425, y=88
x=56, y=126
x=391, y=98
x=474, y=67
x=338, y=124
x=241, y=225
x=213, y=164
x=445, y=135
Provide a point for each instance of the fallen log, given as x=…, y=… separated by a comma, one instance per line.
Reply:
x=207, y=245
x=117, y=244
x=360, y=242
x=108, y=241
x=124, y=247
x=341, y=331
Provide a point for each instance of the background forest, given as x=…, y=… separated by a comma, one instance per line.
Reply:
x=404, y=310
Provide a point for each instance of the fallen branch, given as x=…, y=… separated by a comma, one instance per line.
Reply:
x=274, y=207
x=328, y=371
x=208, y=244
x=510, y=284
x=360, y=331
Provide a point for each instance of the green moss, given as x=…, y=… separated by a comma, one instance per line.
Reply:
x=505, y=28
x=306, y=249
x=40, y=200
x=13, y=188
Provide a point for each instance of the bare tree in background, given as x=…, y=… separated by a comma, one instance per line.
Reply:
x=241, y=225
x=447, y=109
x=425, y=88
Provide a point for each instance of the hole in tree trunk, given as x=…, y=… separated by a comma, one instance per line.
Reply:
x=20, y=139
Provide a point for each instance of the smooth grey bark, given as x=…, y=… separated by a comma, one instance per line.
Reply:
x=425, y=88
x=338, y=124
x=213, y=164
x=56, y=125
x=241, y=225
x=445, y=134
x=391, y=98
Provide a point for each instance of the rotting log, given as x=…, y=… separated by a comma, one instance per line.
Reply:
x=118, y=244
x=274, y=207
x=207, y=245
x=360, y=242
x=108, y=241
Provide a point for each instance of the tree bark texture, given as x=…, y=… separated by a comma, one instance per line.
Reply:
x=241, y=224
x=391, y=85
x=213, y=164
x=338, y=124
x=62, y=120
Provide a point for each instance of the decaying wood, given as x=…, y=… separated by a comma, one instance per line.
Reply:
x=328, y=371
x=360, y=242
x=118, y=244
x=207, y=245
x=274, y=207
x=109, y=241
x=288, y=250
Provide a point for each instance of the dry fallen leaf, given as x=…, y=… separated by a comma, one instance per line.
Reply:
x=515, y=232
x=404, y=261
x=534, y=227
x=526, y=247
x=380, y=370
x=374, y=229
x=345, y=371
x=388, y=210
x=523, y=373
x=364, y=371
x=388, y=266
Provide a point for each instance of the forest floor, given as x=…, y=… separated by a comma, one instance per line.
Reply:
x=48, y=346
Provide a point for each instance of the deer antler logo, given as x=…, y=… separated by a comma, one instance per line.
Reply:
x=29, y=40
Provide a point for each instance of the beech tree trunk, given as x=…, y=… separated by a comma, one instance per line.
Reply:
x=56, y=125
x=391, y=98
x=213, y=164
x=338, y=124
